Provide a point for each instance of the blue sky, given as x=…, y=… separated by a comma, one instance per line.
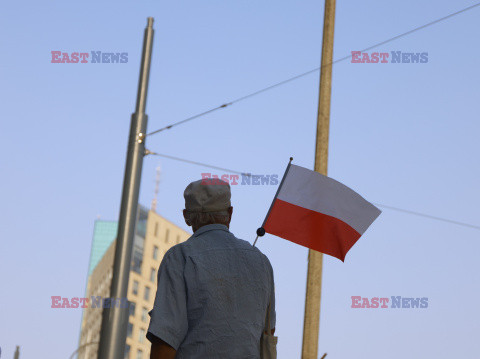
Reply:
x=403, y=135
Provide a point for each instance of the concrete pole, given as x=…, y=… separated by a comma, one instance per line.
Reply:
x=115, y=320
x=311, y=324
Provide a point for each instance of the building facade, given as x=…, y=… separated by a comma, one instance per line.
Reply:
x=154, y=236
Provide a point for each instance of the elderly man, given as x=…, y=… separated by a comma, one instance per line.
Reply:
x=213, y=290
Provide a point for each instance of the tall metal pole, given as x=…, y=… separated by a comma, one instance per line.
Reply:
x=311, y=324
x=115, y=320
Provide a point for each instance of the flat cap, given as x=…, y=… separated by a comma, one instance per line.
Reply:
x=207, y=195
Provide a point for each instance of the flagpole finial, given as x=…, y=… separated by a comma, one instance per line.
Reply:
x=261, y=232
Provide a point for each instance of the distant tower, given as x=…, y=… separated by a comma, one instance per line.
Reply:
x=155, y=196
x=17, y=353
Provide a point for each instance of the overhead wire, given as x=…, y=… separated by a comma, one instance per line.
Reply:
x=312, y=71
x=463, y=224
x=428, y=216
x=148, y=152
x=303, y=75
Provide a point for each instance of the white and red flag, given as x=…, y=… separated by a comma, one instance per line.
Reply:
x=318, y=212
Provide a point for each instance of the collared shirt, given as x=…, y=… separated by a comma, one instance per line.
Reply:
x=212, y=296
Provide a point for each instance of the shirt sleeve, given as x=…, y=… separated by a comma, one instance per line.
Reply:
x=168, y=318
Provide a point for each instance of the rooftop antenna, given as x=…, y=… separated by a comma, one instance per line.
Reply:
x=155, y=196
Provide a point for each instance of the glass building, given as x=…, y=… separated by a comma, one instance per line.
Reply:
x=105, y=232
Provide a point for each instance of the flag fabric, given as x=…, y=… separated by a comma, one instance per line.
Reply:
x=318, y=212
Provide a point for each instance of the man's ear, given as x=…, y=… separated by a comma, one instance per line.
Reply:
x=185, y=216
x=230, y=212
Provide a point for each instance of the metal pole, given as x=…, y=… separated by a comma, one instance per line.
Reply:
x=115, y=320
x=17, y=353
x=311, y=324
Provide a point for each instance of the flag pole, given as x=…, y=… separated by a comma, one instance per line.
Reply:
x=261, y=230
x=311, y=324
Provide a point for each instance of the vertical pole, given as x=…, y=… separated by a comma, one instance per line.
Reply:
x=311, y=324
x=17, y=353
x=114, y=320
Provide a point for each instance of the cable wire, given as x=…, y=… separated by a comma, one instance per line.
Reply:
x=463, y=224
x=428, y=216
x=147, y=152
x=313, y=70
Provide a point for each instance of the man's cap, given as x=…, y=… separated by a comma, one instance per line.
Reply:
x=207, y=195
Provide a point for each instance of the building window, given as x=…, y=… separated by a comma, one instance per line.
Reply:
x=139, y=354
x=167, y=235
x=135, y=287
x=144, y=314
x=137, y=260
x=129, y=330
x=178, y=239
x=147, y=293
x=153, y=274
x=131, y=309
x=141, y=335
x=155, y=252
x=155, y=231
x=126, y=354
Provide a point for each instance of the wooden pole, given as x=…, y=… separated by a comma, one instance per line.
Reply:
x=311, y=324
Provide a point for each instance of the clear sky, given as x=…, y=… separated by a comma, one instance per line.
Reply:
x=404, y=135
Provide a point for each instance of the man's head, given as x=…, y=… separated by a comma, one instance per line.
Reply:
x=207, y=201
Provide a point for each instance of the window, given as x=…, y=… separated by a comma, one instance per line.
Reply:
x=141, y=335
x=135, y=287
x=155, y=231
x=137, y=254
x=139, y=354
x=155, y=252
x=167, y=235
x=129, y=330
x=144, y=314
x=137, y=261
x=131, y=310
x=126, y=354
x=147, y=293
x=153, y=274
x=142, y=217
x=178, y=239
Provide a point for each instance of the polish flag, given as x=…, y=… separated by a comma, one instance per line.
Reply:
x=318, y=212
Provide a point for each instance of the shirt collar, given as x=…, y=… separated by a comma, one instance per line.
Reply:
x=210, y=227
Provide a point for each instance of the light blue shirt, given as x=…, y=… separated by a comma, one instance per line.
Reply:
x=212, y=297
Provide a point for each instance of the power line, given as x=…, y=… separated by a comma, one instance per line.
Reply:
x=148, y=152
x=428, y=216
x=312, y=71
x=463, y=224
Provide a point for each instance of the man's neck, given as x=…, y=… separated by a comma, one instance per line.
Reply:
x=203, y=225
